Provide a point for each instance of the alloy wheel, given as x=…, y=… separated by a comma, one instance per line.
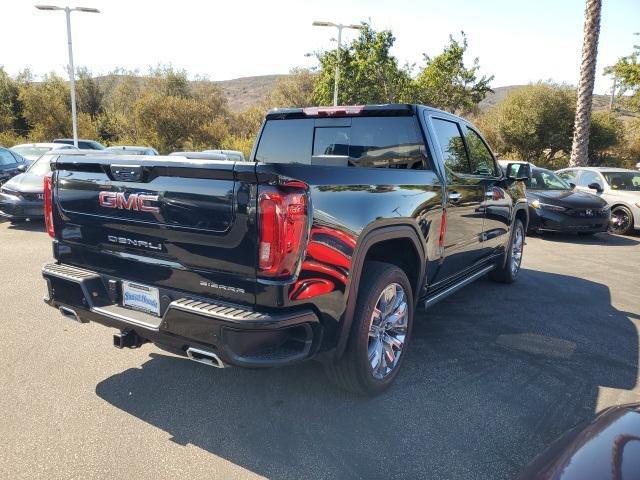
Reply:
x=388, y=330
x=516, y=251
x=620, y=220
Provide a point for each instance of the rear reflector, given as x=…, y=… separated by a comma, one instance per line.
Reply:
x=282, y=225
x=443, y=228
x=332, y=111
x=48, y=206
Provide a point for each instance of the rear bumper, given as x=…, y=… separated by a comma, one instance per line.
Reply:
x=238, y=335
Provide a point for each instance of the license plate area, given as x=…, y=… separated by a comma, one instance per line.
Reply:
x=141, y=297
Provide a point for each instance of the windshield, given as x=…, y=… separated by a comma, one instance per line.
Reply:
x=41, y=166
x=623, y=180
x=30, y=150
x=546, y=180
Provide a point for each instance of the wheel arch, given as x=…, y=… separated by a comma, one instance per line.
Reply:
x=370, y=247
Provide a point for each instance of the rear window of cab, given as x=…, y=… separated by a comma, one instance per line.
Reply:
x=374, y=142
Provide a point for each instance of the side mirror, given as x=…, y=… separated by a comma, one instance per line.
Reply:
x=595, y=186
x=22, y=168
x=572, y=185
x=519, y=171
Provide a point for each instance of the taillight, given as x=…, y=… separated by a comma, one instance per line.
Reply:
x=282, y=222
x=48, y=206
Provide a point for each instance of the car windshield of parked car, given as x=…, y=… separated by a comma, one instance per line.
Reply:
x=42, y=166
x=623, y=180
x=546, y=180
x=30, y=151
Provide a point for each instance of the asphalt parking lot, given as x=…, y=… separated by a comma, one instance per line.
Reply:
x=495, y=373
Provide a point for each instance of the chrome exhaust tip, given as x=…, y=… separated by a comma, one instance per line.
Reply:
x=71, y=314
x=202, y=356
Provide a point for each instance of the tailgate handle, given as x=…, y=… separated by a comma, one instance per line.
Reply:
x=126, y=173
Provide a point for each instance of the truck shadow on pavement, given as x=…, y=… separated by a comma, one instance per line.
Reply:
x=597, y=239
x=494, y=374
x=32, y=226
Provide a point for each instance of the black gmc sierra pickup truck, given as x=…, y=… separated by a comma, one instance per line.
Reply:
x=343, y=222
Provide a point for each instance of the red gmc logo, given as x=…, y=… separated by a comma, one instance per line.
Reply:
x=135, y=201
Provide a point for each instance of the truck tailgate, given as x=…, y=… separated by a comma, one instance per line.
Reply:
x=165, y=221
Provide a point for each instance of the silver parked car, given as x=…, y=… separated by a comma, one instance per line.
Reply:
x=620, y=187
x=131, y=150
x=233, y=155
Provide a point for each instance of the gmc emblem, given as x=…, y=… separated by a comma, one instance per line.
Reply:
x=135, y=201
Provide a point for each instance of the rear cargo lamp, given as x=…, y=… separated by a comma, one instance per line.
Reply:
x=282, y=221
x=333, y=111
x=48, y=205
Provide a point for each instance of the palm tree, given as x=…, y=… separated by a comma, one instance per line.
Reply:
x=580, y=148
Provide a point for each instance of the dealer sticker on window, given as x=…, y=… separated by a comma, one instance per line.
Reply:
x=141, y=297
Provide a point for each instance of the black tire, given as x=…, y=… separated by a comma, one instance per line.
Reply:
x=504, y=272
x=17, y=221
x=617, y=228
x=353, y=371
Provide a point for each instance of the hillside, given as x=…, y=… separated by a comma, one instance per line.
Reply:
x=244, y=92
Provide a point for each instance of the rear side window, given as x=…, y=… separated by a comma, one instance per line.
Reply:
x=451, y=146
x=391, y=142
x=387, y=142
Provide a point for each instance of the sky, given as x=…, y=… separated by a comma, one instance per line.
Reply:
x=516, y=41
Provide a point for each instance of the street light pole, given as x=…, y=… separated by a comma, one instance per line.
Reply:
x=339, y=26
x=72, y=73
x=72, y=78
x=337, y=77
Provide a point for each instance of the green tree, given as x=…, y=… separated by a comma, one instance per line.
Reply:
x=607, y=132
x=368, y=72
x=445, y=82
x=11, y=108
x=89, y=94
x=627, y=72
x=46, y=108
x=294, y=90
x=534, y=123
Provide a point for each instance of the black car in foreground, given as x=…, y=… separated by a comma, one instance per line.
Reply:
x=555, y=205
x=608, y=447
x=22, y=196
x=11, y=164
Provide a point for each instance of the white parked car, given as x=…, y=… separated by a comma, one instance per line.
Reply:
x=33, y=151
x=233, y=155
x=620, y=187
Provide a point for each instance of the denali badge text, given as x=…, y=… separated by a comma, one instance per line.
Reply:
x=135, y=243
x=134, y=201
x=222, y=287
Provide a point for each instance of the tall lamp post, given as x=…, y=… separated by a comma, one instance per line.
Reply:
x=339, y=26
x=72, y=73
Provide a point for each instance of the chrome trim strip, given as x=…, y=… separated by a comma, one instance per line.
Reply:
x=454, y=288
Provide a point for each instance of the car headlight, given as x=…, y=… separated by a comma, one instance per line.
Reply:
x=537, y=204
